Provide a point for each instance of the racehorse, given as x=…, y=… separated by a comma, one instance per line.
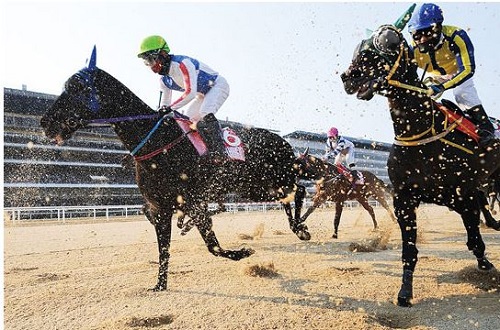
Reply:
x=170, y=173
x=333, y=186
x=432, y=160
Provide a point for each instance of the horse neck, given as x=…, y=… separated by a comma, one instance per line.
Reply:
x=319, y=170
x=119, y=102
x=412, y=114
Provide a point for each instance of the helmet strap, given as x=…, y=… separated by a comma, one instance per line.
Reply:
x=164, y=60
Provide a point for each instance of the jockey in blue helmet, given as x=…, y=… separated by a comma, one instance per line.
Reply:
x=447, y=53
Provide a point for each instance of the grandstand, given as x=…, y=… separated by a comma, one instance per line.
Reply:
x=87, y=169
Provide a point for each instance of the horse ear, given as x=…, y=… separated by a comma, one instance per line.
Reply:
x=93, y=60
x=403, y=19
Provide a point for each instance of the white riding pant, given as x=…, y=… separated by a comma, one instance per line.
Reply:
x=211, y=102
x=347, y=155
x=466, y=95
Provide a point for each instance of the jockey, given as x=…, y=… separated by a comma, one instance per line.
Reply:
x=202, y=87
x=447, y=53
x=339, y=148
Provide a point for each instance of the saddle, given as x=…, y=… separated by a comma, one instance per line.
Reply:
x=344, y=171
x=232, y=142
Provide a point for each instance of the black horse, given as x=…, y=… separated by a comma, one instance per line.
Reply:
x=170, y=173
x=333, y=186
x=431, y=160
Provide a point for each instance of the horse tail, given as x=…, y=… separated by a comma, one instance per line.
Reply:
x=388, y=188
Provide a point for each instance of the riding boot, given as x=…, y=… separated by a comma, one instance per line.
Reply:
x=353, y=173
x=485, y=128
x=355, y=176
x=210, y=130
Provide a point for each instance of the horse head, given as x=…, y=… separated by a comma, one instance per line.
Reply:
x=378, y=63
x=88, y=95
x=309, y=167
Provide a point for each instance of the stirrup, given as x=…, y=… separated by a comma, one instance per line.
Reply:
x=485, y=138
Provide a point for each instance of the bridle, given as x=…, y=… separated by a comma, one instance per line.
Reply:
x=91, y=102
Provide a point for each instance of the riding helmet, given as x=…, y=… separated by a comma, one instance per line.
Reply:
x=332, y=132
x=426, y=16
x=152, y=43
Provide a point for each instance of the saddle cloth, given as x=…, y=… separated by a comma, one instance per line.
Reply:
x=465, y=125
x=359, y=179
x=232, y=143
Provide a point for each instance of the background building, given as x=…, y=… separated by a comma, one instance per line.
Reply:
x=87, y=169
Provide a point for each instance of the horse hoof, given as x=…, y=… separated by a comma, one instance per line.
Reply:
x=335, y=236
x=158, y=288
x=303, y=235
x=484, y=265
x=238, y=255
x=247, y=252
x=404, y=302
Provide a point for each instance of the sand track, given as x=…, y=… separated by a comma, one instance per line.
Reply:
x=96, y=275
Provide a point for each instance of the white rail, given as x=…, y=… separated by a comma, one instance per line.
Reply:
x=63, y=213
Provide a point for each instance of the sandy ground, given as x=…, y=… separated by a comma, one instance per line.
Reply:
x=96, y=275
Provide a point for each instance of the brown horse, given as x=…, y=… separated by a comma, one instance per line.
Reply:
x=431, y=160
x=335, y=187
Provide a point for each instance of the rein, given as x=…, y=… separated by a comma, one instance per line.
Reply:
x=101, y=121
x=164, y=149
x=399, y=84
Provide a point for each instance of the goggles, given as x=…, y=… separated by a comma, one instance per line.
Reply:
x=429, y=33
x=150, y=58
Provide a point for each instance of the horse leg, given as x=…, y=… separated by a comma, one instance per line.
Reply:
x=364, y=202
x=162, y=221
x=492, y=204
x=405, y=209
x=295, y=222
x=488, y=218
x=300, y=195
x=339, y=207
x=380, y=198
x=471, y=220
x=204, y=224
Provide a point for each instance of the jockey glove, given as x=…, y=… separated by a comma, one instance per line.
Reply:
x=164, y=109
x=436, y=89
